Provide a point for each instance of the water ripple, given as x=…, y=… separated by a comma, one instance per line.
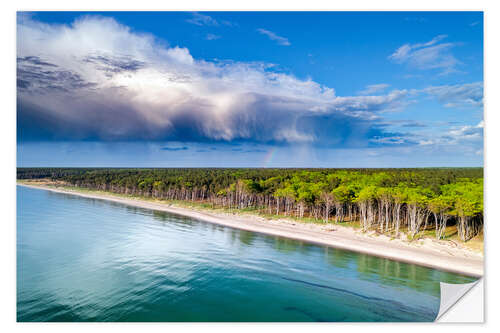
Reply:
x=89, y=260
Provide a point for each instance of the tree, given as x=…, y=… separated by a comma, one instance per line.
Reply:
x=440, y=208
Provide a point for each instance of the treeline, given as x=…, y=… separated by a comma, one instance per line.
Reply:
x=387, y=200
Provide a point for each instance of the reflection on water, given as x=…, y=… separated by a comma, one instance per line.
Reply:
x=287, y=245
x=83, y=259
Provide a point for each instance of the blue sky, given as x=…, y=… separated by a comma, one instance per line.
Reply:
x=257, y=89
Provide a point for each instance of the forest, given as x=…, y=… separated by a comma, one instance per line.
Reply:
x=390, y=201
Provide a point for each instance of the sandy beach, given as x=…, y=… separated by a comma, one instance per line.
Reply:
x=428, y=252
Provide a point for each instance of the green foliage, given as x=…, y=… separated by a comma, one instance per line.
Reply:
x=367, y=193
x=343, y=194
x=466, y=197
x=454, y=192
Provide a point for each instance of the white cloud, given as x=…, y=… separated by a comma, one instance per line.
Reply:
x=212, y=37
x=466, y=136
x=459, y=95
x=427, y=56
x=393, y=140
x=374, y=88
x=272, y=36
x=206, y=20
x=201, y=19
x=468, y=132
x=98, y=79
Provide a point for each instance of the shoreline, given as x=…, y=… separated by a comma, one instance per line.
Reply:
x=428, y=252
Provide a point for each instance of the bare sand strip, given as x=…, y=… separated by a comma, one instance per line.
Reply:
x=429, y=253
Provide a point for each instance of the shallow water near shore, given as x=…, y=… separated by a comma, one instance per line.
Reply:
x=81, y=259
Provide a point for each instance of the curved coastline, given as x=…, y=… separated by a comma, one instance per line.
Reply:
x=427, y=253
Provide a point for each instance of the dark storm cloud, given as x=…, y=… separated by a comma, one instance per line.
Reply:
x=112, y=65
x=33, y=60
x=135, y=89
x=37, y=76
x=352, y=132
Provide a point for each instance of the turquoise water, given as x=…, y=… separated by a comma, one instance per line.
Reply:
x=83, y=259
